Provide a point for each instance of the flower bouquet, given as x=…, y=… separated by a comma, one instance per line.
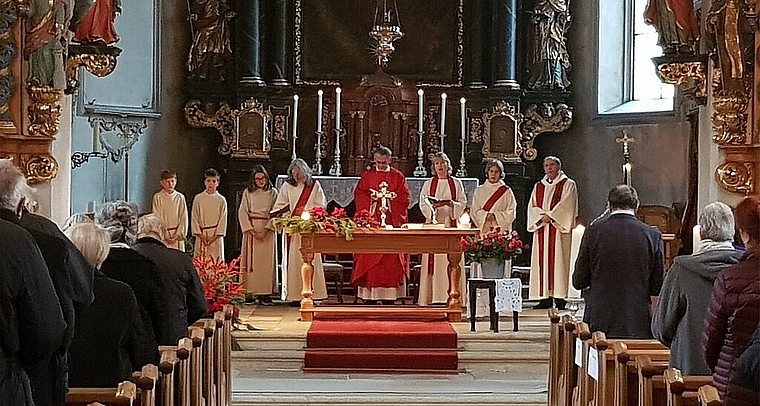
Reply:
x=502, y=245
x=363, y=219
x=220, y=283
x=318, y=220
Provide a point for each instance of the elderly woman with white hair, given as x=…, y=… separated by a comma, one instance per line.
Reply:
x=110, y=340
x=183, y=298
x=684, y=299
x=125, y=264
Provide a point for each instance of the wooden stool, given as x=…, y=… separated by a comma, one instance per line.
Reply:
x=334, y=273
x=493, y=315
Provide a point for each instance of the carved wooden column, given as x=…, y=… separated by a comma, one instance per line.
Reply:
x=248, y=47
x=477, y=26
x=281, y=42
x=399, y=133
x=504, y=44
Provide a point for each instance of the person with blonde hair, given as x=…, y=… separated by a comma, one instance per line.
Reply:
x=209, y=221
x=170, y=206
x=110, y=339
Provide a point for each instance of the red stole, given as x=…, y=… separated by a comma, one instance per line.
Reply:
x=302, y=199
x=556, y=196
x=452, y=187
x=495, y=197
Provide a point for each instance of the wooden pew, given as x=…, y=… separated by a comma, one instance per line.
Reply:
x=581, y=394
x=683, y=390
x=184, y=374
x=652, y=389
x=220, y=380
x=555, y=355
x=626, y=352
x=197, y=336
x=708, y=396
x=568, y=374
x=125, y=394
x=209, y=386
x=229, y=311
x=167, y=378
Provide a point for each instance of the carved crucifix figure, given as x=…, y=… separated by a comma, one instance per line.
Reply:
x=383, y=196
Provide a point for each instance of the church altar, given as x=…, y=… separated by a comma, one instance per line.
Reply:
x=386, y=241
x=341, y=189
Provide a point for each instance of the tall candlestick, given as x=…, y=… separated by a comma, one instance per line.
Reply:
x=443, y=113
x=463, y=112
x=462, y=171
x=696, y=238
x=337, y=108
x=575, y=246
x=420, y=118
x=319, y=110
x=293, y=156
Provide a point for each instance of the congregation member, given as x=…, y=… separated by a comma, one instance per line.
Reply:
x=110, y=340
x=171, y=208
x=182, y=294
x=70, y=274
x=300, y=193
x=125, y=264
x=620, y=263
x=209, y=220
x=31, y=317
x=679, y=319
x=257, y=254
x=734, y=312
x=552, y=211
x=442, y=201
x=380, y=277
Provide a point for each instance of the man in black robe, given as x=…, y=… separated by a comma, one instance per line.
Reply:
x=621, y=264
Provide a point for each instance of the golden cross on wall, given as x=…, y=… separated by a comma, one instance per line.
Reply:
x=625, y=140
x=382, y=195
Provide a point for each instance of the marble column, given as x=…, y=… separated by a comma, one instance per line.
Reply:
x=477, y=26
x=504, y=44
x=281, y=42
x=248, y=49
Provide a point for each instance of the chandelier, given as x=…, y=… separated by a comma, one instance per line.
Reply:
x=385, y=31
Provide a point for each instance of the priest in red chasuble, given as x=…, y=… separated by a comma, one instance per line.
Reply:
x=381, y=276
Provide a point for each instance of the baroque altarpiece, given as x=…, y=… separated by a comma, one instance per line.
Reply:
x=500, y=69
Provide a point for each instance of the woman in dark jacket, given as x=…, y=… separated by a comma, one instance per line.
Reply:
x=735, y=311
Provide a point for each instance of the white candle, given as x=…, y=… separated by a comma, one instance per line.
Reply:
x=96, y=137
x=696, y=238
x=420, y=119
x=319, y=110
x=443, y=113
x=462, y=102
x=295, y=116
x=627, y=173
x=337, y=108
x=575, y=246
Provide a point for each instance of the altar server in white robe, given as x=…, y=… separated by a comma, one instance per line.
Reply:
x=552, y=213
x=299, y=193
x=209, y=218
x=493, y=208
x=257, y=254
x=441, y=196
x=170, y=207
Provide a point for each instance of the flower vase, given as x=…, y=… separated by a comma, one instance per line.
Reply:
x=493, y=268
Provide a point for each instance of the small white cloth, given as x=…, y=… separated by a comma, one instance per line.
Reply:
x=508, y=296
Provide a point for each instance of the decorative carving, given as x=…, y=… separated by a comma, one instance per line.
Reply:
x=98, y=60
x=211, y=52
x=730, y=116
x=127, y=133
x=550, y=60
x=38, y=167
x=476, y=130
x=549, y=117
x=501, y=134
x=239, y=128
x=684, y=73
x=44, y=111
x=8, y=18
x=736, y=177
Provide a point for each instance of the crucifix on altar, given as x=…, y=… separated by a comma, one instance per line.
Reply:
x=382, y=196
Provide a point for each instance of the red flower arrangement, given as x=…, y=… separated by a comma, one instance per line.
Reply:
x=319, y=220
x=495, y=244
x=363, y=219
x=220, y=283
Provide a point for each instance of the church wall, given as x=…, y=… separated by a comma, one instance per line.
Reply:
x=588, y=149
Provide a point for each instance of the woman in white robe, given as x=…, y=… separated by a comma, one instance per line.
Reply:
x=257, y=254
x=292, y=200
x=444, y=197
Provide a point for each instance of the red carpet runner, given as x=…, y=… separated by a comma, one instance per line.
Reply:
x=381, y=346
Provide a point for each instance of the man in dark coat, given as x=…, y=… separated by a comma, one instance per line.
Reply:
x=70, y=274
x=679, y=319
x=183, y=298
x=621, y=264
x=31, y=320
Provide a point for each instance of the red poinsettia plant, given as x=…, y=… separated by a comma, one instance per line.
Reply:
x=363, y=219
x=220, y=282
x=499, y=244
x=319, y=220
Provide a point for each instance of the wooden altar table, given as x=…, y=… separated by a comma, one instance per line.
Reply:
x=385, y=241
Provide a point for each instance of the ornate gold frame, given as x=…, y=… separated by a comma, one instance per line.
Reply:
x=502, y=110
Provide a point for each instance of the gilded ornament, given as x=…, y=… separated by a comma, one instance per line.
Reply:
x=38, y=168
x=236, y=127
x=223, y=120
x=549, y=117
x=44, y=111
x=681, y=73
x=736, y=177
x=730, y=119
x=99, y=64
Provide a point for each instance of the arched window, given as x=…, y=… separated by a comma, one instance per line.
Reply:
x=627, y=82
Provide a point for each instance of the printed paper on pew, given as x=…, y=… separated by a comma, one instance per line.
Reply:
x=578, y=352
x=593, y=363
